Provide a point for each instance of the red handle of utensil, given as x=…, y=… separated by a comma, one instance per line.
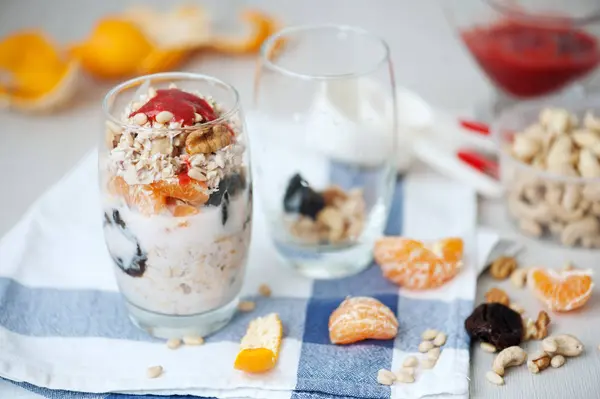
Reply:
x=475, y=126
x=479, y=162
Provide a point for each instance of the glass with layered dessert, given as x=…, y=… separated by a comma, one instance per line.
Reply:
x=176, y=194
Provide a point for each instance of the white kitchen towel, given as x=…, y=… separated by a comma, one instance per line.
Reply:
x=64, y=329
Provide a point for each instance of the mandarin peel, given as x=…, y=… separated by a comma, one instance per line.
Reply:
x=261, y=26
x=259, y=348
x=39, y=76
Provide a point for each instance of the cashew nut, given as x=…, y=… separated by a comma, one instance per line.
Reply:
x=560, y=151
x=511, y=356
x=530, y=227
x=586, y=227
x=564, y=344
x=539, y=212
x=591, y=122
x=591, y=192
x=556, y=120
x=571, y=197
x=590, y=242
x=588, y=164
x=525, y=148
x=585, y=138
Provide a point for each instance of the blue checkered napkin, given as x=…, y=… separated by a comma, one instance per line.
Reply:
x=64, y=330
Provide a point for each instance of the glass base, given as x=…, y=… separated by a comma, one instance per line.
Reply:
x=324, y=262
x=166, y=326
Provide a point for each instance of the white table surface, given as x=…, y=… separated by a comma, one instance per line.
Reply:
x=36, y=151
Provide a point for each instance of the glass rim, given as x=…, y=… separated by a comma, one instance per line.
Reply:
x=271, y=41
x=592, y=17
x=498, y=131
x=115, y=90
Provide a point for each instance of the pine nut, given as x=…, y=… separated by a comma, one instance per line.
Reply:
x=172, y=86
x=428, y=363
x=173, y=343
x=487, y=347
x=410, y=361
x=557, y=361
x=434, y=353
x=429, y=334
x=163, y=117
x=440, y=339
x=425, y=346
x=197, y=118
x=140, y=119
x=494, y=378
x=196, y=174
x=152, y=92
x=385, y=377
x=407, y=370
x=264, y=290
x=246, y=306
x=154, y=371
x=193, y=340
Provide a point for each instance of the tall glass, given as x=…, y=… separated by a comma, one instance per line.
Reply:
x=530, y=48
x=324, y=145
x=176, y=192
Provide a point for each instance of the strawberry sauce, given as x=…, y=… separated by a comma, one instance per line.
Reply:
x=181, y=104
x=529, y=60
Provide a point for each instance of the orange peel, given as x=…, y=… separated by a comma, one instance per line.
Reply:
x=40, y=77
x=260, y=346
x=114, y=49
x=261, y=26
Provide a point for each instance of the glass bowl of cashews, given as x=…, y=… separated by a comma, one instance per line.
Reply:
x=550, y=169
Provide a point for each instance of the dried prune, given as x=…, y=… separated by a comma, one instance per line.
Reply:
x=225, y=208
x=300, y=198
x=496, y=324
x=232, y=183
x=123, y=247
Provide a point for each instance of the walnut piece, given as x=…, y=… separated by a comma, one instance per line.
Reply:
x=204, y=142
x=541, y=325
x=502, y=267
x=496, y=295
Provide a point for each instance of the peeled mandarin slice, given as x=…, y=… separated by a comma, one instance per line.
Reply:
x=260, y=346
x=118, y=186
x=193, y=192
x=184, y=210
x=261, y=26
x=147, y=200
x=114, y=49
x=40, y=77
x=561, y=291
x=410, y=264
x=360, y=318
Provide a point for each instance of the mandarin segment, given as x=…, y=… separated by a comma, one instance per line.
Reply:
x=260, y=346
x=193, y=192
x=411, y=264
x=561, y=291
x=147, y=200
x=184, y=210
x=360, y=318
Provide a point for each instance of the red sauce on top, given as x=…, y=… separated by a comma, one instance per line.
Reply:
x=181, y=104
x=528, y=60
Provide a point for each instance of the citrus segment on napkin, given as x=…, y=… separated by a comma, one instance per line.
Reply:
x=416, y=265
x=360, y=318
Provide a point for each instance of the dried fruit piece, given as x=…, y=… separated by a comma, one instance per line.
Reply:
x=260, y=346
x=40, y=78
x=502, y=267
x=301, y=198
x=496, y=295
x=496, y=324
x=561, y=291
x=194, y=192
x=261, y=26
x=411, y=264
x=360, y=318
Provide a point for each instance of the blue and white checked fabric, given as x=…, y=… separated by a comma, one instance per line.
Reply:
x=65, y=331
